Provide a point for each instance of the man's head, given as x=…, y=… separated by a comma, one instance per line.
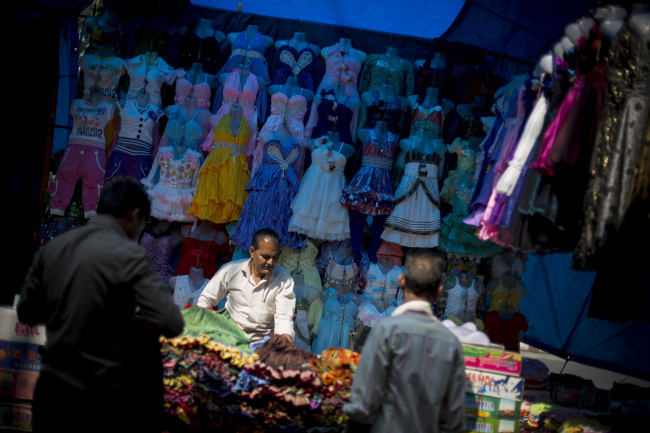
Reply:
x=423, y=270
x=265, y=251
x=124, y=199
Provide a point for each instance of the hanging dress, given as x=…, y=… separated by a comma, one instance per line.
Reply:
x=252, y=51
x=381, y=285
x=270, y=193
x=370, y=192
x=299, y=64
x=221, y=194
x=317, y=210
x=202, y=253
x=462, y=301
x=329, y=334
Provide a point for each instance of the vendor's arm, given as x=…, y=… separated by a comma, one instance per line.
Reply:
x=285, y=306
x=215, y=290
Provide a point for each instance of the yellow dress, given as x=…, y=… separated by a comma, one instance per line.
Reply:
x=221, y=193
x=303, y=262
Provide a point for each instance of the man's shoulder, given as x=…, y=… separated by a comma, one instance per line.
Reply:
x=413, y=322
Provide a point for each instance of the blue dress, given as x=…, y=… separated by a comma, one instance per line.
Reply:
x=270, y=193
x=333, y=116
x=329, y=333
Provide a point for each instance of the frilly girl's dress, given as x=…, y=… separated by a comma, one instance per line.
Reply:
x=177, y=174
x=317, y=211
x=271, y=191
x=221, y=194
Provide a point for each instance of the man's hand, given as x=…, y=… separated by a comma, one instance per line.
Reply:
x=287, y=337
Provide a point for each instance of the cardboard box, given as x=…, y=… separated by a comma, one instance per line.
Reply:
x=533, y=396
x=493, y=385
x=493, y=360
x=16, y=416
x=19, y=361
x=491, y=407
x=490, y=425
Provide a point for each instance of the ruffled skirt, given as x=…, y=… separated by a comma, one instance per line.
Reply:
x=169, y=203
x=317, y=210
x=370, y=192
x=221, y=193
x=415, y=221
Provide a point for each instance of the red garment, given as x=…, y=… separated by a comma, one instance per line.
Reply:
x=505, y=332
x=202, y=254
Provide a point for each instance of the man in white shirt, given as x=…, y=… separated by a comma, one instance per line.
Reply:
x=260, y=293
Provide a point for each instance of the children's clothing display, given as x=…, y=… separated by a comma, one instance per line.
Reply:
x=249, y=50
x=341, y=277
x=221, y=194
x=179, y=132
x=202, y=253
x=380, y=110
x=85, y=156
x=333, y=116
x=183, y=293
x=275, y=182
x=302, y=338
x=505, y=332
x=287, y=112
x=380, y=69
x=159, y=247
x=415, y=220
x=370, y=192
x=331, y=326
x=317, y=210
x=101, y=74
x=149, y=78
x=299, y=64
x=503, y=295
x=302, y=262
x=194, y=49
x=461, y=301
x=382, y=284
x=236, y=93
x=131, y=155
x=172, y=182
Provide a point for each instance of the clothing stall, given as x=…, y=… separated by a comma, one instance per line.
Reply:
x=357, y=145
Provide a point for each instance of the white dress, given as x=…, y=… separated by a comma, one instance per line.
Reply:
x=183, y=294
x=415, y=220
x=461, y=302
x=317, y=210
x=382, y=286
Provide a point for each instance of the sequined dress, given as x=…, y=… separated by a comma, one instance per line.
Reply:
x=371, y=191
x=171, y=195
x=270, y=193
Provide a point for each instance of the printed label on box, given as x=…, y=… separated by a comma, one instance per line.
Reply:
x=491, y=407
x=490, y=425
x=16, y=355
x=499, y=361
x=493, y=385
x=12, y=330
x=534, y=396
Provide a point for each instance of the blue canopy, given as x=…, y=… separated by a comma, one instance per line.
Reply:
x=556, y=306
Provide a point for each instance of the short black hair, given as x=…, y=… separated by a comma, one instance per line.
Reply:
x=423, y=270
x=121, y=195
x=264, y=233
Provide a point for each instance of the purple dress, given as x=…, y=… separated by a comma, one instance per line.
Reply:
x=253, y=50
x=270, y=193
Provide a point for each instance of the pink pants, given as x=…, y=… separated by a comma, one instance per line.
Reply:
x=87, y=163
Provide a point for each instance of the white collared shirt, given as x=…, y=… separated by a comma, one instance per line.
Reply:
x=260, y=309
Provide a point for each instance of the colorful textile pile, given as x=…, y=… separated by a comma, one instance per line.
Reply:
x=213, y=381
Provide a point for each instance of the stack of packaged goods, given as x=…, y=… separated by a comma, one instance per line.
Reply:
x=493, y=389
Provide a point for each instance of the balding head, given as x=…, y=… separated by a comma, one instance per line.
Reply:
x=423, y=271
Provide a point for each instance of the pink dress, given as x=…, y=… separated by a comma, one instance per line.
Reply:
x=284, y=110
x=343, y=70
x=245, y=96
